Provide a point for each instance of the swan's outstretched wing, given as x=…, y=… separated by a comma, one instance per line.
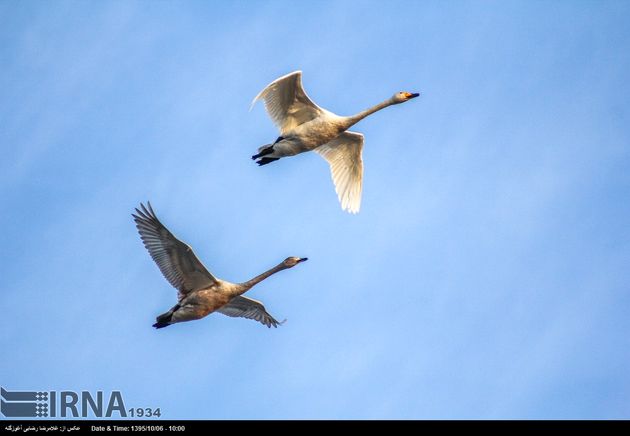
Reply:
x=346, y=166
x=247, y=308
x=287, y=103
x=176, y=260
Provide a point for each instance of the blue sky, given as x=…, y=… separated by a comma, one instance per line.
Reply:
x=485, y=277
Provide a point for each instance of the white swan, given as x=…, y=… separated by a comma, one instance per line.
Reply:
x=304, y=126
x=199, y=292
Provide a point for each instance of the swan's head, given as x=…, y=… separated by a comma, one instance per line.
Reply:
x=403, y=96
x=290, y=262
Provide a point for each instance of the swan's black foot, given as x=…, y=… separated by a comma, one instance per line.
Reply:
x=266, y=160
x=160, y=325
x=280, y=138
x=263, y=152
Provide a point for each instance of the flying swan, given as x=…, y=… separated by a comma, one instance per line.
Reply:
x=304, y=126
x=199, y=293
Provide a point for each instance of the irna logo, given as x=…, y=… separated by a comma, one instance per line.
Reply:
x=63, y=404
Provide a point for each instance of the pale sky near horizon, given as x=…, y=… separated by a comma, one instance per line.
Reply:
x=486, y=276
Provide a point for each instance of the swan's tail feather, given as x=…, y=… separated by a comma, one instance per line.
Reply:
x=265, y=147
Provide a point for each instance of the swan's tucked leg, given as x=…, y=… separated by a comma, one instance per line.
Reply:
x=264, y=151
x=164, y=320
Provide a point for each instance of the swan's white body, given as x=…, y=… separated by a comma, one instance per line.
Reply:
x=304, y=126
x=199, y=293
x=310, y=135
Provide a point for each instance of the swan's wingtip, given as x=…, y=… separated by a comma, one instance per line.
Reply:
x=293, y=73
x=261, y=94
x=255, y=100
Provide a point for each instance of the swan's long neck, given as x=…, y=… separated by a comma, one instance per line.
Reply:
x=352, y=120
x=246, y=286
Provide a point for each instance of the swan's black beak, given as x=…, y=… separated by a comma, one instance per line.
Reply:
x=303, y=259
x=417, y=94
